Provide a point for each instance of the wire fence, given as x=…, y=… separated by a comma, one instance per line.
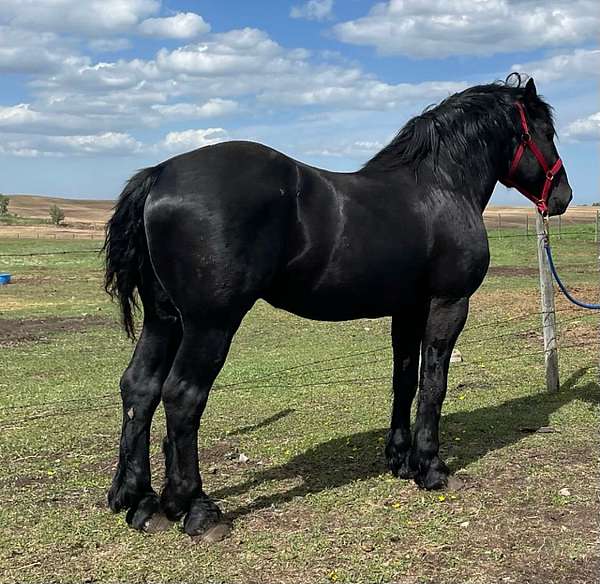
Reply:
x=283, y=379
x=49, y=253
x=287, y=378
x=499, y=226
x=98, y=250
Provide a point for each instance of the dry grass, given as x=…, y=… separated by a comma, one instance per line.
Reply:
x=76, y=210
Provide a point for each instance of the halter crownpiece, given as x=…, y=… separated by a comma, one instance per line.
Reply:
x=541, y=202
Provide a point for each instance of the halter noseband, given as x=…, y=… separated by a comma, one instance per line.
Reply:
x=527, y=142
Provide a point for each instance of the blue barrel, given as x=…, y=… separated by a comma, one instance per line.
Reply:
x=4, y=278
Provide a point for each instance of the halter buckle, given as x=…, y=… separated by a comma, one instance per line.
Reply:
x=526, y=138
x=550, y=175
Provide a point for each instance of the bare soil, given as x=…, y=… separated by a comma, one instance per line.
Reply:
x=37, y=330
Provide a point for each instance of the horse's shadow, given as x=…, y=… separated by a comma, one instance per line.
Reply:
x=343, y=460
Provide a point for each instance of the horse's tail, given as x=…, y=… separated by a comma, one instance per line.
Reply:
x=126, y=248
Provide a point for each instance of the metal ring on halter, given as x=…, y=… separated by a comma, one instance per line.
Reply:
x=526, y=137
x=550, y=175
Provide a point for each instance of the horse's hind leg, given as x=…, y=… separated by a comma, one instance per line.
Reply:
x=407, y=332
x=199, y=359
x=140, y=393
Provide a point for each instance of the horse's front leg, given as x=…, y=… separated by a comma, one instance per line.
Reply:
x=445, y=321
x=407, y=332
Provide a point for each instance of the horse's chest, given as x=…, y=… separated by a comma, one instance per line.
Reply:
x=459, y=266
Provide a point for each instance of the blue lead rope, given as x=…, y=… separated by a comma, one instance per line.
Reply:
x=561, y=285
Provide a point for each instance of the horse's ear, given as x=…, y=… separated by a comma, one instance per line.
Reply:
x=530, y=90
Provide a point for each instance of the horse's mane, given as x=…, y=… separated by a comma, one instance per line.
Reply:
x=445, y=137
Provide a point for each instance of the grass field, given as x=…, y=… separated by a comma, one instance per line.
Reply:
x=308, y=403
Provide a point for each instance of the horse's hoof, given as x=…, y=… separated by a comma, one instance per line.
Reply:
x=432, y=476
x=143, y=513
x=157, y=523
x=215, y=533
x=205, y=522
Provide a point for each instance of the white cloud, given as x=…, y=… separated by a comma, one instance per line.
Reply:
x=359, y=149
x=313, y=10
x=578, y=64
x=23, y=51
x=92, y=17
x=104, y=144
x=184, y=25
x=109, y=45
x=247, y=50
x=584, y=129
x=107, y=143
x=22, y=118
x=212, y=108
x=203, y=80
x=367, y=94
x=177, y=142
x=437, y=28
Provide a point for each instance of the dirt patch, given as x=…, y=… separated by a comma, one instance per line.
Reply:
x=585, y=333
x=512, y=271
x=38, y=330
x=529, y=271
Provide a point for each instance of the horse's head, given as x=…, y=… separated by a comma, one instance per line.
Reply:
x=536, y=168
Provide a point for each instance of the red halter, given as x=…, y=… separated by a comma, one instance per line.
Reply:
x=527, y=142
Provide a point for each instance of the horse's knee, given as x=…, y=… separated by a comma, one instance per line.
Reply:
x=139, y=390
x=185, y=394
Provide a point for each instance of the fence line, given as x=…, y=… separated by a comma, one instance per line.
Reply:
x=495, y=222
x=351, y=381
x=282, y=384
x=47, y=253
x=379, y=349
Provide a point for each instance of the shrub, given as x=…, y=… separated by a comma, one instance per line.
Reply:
x=4, y=200
x=57, y=215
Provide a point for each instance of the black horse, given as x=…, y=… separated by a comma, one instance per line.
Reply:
x=203, y=235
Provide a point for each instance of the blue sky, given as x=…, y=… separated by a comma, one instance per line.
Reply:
x=93, y=90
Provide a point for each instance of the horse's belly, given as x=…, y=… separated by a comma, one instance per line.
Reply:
x=344, y=302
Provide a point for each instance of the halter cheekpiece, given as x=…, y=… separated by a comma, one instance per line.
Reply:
x=527, y=141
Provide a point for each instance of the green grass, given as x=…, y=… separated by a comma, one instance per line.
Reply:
x=314, y=503
x=10, y=219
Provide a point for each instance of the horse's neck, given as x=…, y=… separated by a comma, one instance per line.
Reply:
x=481, y=179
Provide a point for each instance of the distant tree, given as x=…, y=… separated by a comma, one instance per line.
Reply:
x=4, y=200
x=57, y=215
x=596, y=204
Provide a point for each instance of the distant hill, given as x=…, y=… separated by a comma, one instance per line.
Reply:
x=98, y=212
x=76, y=210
